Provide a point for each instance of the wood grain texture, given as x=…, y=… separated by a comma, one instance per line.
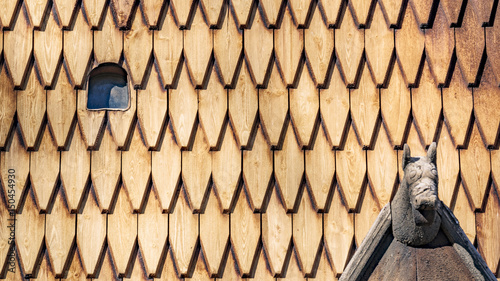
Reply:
x=75, y=271
x=289, y=170
x=470, y=44
x=258, y=47
x=348, y=45
x=65, y=11
x=351, y=170
x=457, y=107
x=273, y=107
x=272, y=11
x=307, y=232
x=452, y=10
x=91, y=122
x=242, y=10
x=105, y=170
x=6, y=219
x=492, y=35
x=152, y=233
x=495, y=166
x=214, y=235
x=60, y=233
x=95, y=10
x=78, y=48
x=382, y=165
x=121, y=122
x=182, y=10
x=485, y=99
x=108, y=41
x=245, y=233
x=47, y=49
x=45, y=272
x=365, y=108
x=137, y=46
x=465, y=214
x=262, y=270
x=37, y=11
x=152, y=11
x=475, y=169
x=448, y=167
x=226, y=169
x=257, y=171
x=168, y=48
x=231, y=270
x=243, y=105
x=122, y=232
x=393, y=10
x=395, y=104
x=212, y=10
x=288, y=44
x=183, y=235
x=108, y=271
x=294, y=272
x=169, y=270
x=61, y=109
x=487, y=229
x=122, y=10
x=44, y=171
x=304, y=106
x=228, y=47
x=136, y=170
x=339, y=232
x=422, y=10
x=139, y=270
x=320, y=168
x=196, y=170
x=31, y=106
x=8, y=11
x=302, y=11
x=212, y=107
x=367, y=215
x=439, y=46
x=325, y=270
x=166, y=169
x=30, y=228
x=379, y=45
x=18, y=159
x=90, y=220
x=361, y=11
x=410, y=41
x=183, y=107
x=198, y=43
x=334, y=108
x=276, y=233
x=152, y=104
x=484, y=10
x=7, y=105
x=318, y=44
x=200, y=270
x=331, y=11
x=17, y=48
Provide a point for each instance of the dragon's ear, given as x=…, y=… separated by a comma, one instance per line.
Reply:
x=431, y=153
x=406, y=155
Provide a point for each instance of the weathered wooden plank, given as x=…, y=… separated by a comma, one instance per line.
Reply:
x=108, y=41
x=243, y=105
x=423, y=11
x=152, y=232
x=138, y=268
x=183, y=11
x=95, y=10
x=302, y=11
x=325, y=270
x=448, y=166
x=487, y=229
x=47, y=49
x=410, y=41
x=30, y=228
x=226, y=169
x=183, y=235
x=351, y=170
x=339, y=233
x=166, y=169
x=196, y=171
x=245, y=233
x=46, y=270
x=463, y=211
x=122, y=234
x=200, y=270
x=168, y=49
x=289, y=170
x=484, y=10
x=37, y=11
x=304, y=106
x=44, y=171
x=122, y=11
x=348, y=45
x=108, y=271
x=105, y=170
x=492, y=35
x=214, y=235
x=365, y=108
x=213, y=10
x=276, y=233
x=242, y=10
x=257, y=171
x=379, y=46
x=8, y=12
x=66, y=11
x=31, y=106
x=475, y=169
x=332, y=10
x=75, y=271
x=258, y=47
x=273, y=108
x=231, y=271
x=91, y=121
x=393, y=9
x=169, y=270
x=272, y=11
x=78, y=48
x=361, y=10
x=288, y=44
x=61, y=109
x=457, y=107
x=382, y=165
x=137, y=46
x=363, y=221
x=452, y=10
x=307, y=232
x=90, y=235
x=228, y=47
x=7, y=105
x=7, y=219
x=60, y=234
x=294, y=271
x=153, y=11
x=136, y=170
x=262, y=271
x=121, y=121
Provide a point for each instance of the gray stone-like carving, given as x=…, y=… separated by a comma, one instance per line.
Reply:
x=415, y=220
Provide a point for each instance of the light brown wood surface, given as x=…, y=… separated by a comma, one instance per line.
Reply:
x=242, y=10
x=121, y=122
x=304, y=106
x=231, y=271
x=8, y=12
x=108, y=40
x=349, y=48
x=169, y=271
x=293, y=271
x=422, y=10
x=492, y=38
x=448, y=166
x=45, y=271
x=366, y=216
x=122, y=11
x=37, y=11
x=7, y=105
x=393, y=9
x=182, y=10
x=212, y=10
x=272, y=11
x=75, y=271
x=325, y=270
x=258, y=45
x=107, y=270
x=47, y=49
x=139, y=271
x=452, y=10
x=465, y=213
x=228, y=47
x=152, y=11
x=331, y=10
x=288, y=44
x=66, y=11
x=137, y=46
x=262, y=271
x=487, y=229
x=94, y=9
x=91, y=122
x=361, y=11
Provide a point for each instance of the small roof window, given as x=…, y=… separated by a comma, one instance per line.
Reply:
x=108, y=88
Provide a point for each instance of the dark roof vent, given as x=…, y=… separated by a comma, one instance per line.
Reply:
x=108, y=88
